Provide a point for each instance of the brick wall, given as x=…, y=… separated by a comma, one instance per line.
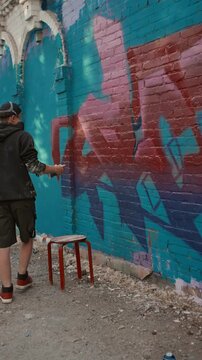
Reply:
x=136, y=104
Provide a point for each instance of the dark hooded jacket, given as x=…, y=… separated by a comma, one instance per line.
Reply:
x=17, y=156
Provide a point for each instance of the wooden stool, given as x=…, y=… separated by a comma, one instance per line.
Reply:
x=61, y=241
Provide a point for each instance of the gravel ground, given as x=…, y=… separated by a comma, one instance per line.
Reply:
x=119, y=318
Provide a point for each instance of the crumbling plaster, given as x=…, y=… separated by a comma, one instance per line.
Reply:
x=18, y=18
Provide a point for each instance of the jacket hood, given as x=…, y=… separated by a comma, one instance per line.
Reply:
x=8, y=129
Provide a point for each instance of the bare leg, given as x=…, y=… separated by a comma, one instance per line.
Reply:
x=5, y=267
x=25, y=256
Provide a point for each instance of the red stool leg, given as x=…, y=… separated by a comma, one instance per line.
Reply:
x=50, y=271
x=90, y=260
x=61, y=267
x=78, y=259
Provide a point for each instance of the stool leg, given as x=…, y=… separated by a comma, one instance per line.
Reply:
x=78, y=260
x=50, y=271
x=90, y=260
x=61, y=267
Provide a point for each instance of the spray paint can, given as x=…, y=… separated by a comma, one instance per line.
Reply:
x=169, y=356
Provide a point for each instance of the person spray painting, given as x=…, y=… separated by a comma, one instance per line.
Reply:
x=18, y=157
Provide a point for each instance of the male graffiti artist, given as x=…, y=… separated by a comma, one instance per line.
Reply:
x=18, y=156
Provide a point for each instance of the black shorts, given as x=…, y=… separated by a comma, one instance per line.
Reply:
x=21, y=213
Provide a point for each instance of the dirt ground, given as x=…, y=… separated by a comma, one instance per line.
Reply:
x=119, y=318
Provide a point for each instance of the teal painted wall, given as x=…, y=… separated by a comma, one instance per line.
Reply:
x=39, y=105
x=7, y=77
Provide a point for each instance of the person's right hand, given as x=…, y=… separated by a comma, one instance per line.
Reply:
x=59, y=169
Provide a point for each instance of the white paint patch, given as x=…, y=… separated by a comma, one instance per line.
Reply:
x=71, y=11
x=194, y=287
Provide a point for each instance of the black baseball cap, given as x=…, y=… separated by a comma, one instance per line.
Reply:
x=8, y=109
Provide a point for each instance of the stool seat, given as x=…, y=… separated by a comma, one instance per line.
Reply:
x=68, y=239
x=61, y=241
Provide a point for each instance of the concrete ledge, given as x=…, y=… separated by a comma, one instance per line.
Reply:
x=118, y=264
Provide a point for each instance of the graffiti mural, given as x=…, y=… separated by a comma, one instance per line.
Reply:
x=138, y=146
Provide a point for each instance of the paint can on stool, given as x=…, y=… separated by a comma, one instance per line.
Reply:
x=169, y=356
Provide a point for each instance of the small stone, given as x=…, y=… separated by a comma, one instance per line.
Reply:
x=153, y=287
x=154, y=332
x=147, y=356
x=76, y=340
x=35, y=250
x=28, y=316
x=104, y=316
x=190, y=332
x=27, y=333
x=121, y=327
